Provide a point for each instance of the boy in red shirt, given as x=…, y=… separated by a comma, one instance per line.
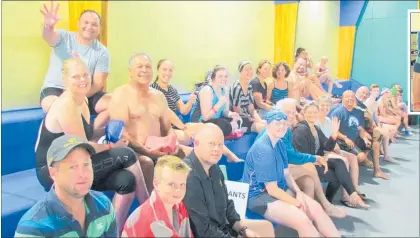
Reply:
x=163, y=214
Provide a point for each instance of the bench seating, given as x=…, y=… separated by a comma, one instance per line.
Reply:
x=20, y=186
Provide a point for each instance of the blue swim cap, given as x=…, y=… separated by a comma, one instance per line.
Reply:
x=275, y=115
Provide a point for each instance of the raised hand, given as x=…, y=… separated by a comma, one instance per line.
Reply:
x=193, y=97
x=335, y=127
x=50, y=15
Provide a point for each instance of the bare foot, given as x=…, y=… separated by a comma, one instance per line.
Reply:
x=393, y=139
x=390, y=160
x=357, y=200
x=232, y=158
x=367, y=163
x=334, y=211
x=381, y=175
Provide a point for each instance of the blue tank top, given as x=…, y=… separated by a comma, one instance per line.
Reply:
x=279, y=94
x=219, y=113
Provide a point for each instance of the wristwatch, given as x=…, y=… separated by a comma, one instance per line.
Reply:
x=242, y=231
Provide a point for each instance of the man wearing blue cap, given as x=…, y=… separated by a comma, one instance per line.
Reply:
x=70, y=209
x=273, y=192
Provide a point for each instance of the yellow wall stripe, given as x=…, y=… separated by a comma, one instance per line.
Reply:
x=285, y=32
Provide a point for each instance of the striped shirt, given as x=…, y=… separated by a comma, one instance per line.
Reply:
x=49, y=218
x=171, y=95
x=238, y=98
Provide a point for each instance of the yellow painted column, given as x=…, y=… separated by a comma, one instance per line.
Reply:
x=285, y=32
x=345, y=51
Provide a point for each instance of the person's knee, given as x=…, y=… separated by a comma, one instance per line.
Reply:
x=301, y=222
x=47, y=102
x=103, y=102
x=307, y=182
x=146, y=162
x=127, y=155
x=361, y=157
x=125, y=182
x=340, y=165
x=314, y=206
x=346, y=161
x=311, y=169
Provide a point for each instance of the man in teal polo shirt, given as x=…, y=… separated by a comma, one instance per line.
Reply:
x=70, y=209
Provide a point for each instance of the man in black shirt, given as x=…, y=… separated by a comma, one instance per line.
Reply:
x=212, y=213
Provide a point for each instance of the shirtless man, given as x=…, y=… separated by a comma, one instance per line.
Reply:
x=303, y=84
x=380, y=132
x=144, y=111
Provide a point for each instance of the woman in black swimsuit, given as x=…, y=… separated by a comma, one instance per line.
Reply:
x=115, y=166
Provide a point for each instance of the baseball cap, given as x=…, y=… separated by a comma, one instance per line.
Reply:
x=275, y=115
x=63, y=145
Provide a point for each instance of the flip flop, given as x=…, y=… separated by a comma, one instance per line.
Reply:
x=348, y=204
x=363, y=196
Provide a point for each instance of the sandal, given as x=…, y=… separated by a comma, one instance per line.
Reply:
x=348, y=204
x=363, y=196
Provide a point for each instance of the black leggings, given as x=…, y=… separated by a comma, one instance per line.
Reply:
x=109, y=171
x=336, y=177
x=223, y=123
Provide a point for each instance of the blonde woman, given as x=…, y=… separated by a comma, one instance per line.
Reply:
x=69, y=114
x=325, y=123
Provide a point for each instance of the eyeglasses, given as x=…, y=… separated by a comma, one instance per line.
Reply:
x=213, y=144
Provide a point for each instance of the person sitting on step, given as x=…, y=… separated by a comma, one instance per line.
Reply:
x=83, y=44
x=278, y=86
x=324, y=75
x=163, y=214
x=184, y=132
x=144, y=111
x=115, y=165
x=309, y=138
x=352, y=136
x=71, y=208
x=302, y=165
x=273, y=192
x=212, y=213
x=242, y=100
x=259, y=88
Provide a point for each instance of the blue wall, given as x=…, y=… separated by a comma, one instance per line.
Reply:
x=380, y=54
x=350, y=12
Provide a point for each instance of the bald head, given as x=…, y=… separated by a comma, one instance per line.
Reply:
x=362, y=93
x=208, y=144
x=209, y=130
x=348, y=99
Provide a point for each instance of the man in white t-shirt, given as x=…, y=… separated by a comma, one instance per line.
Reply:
x=83, y=44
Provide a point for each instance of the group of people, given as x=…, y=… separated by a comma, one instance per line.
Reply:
x=415, y=85
x=181, y=189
